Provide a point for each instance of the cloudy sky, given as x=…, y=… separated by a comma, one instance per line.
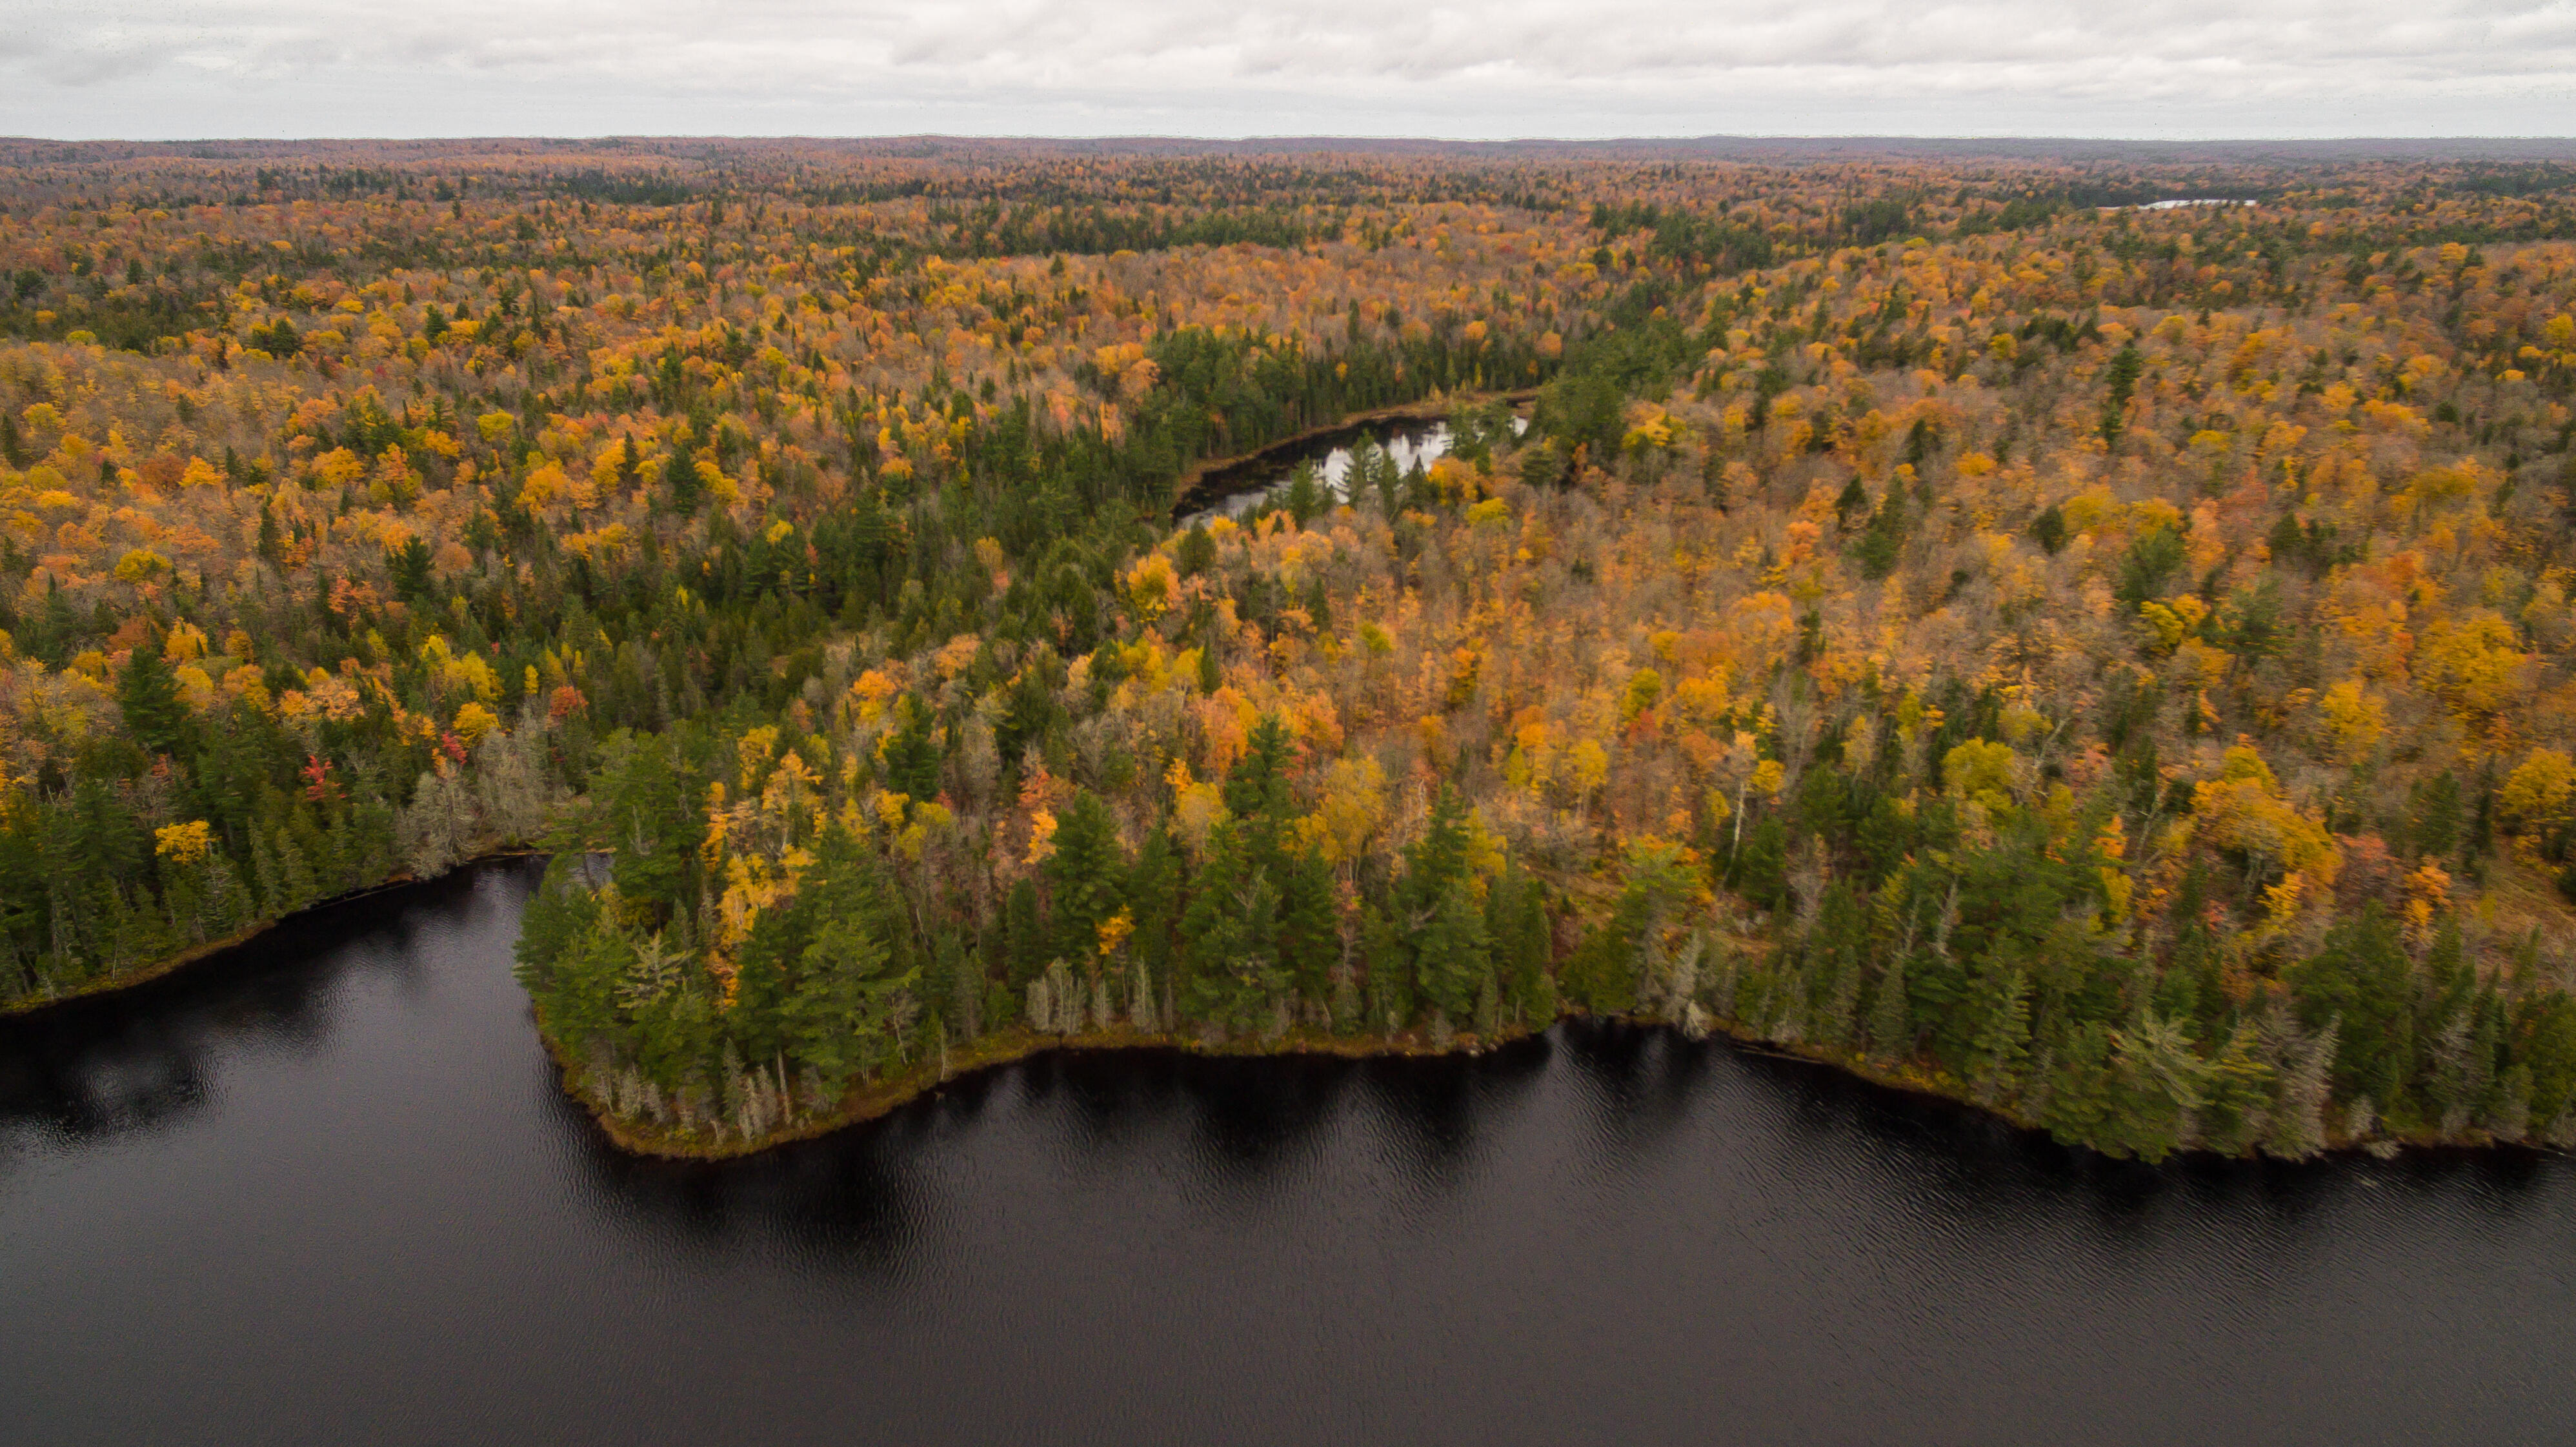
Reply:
x=1472, y=68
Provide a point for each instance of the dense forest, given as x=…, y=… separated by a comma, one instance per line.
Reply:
x=1948, y=617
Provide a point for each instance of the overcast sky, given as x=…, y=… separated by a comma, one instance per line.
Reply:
x=1478, y=68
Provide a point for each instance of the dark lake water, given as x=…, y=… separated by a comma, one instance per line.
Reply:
x=324, y=1190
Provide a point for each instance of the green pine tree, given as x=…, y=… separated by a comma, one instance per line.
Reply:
x=1452, y=961
x=147, y=693
x=1891, y=1016
x=1086, y=877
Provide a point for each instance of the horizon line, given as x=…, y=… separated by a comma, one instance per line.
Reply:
x=1312, y=138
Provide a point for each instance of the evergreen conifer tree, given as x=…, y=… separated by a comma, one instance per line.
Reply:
x=1085, y=878
x=147, y=694
x=1025, y=945
x=1451, y=962
x=1891, y=1016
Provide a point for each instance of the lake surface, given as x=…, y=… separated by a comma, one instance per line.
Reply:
x=324, y=1190
x=1408, y=444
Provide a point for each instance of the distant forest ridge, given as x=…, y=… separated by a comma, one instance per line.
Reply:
x=1775, y=150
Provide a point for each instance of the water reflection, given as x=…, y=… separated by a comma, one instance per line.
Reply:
x=1238, y=490
x=144, y=1059
x=855, y=1201
x=326, y=1189
x=1640, y=1083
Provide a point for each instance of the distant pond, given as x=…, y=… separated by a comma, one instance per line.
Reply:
x=1362, y=447
x=324, y=1190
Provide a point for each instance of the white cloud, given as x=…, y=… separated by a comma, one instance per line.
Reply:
x=1484, y=68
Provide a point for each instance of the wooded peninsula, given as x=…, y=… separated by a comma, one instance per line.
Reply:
x=1949, y=615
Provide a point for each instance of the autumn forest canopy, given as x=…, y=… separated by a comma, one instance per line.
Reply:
x=1936, y=613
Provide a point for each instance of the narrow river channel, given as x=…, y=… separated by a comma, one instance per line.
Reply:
x=324, y=1190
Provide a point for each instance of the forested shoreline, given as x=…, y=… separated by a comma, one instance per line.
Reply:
x=2108, y=666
